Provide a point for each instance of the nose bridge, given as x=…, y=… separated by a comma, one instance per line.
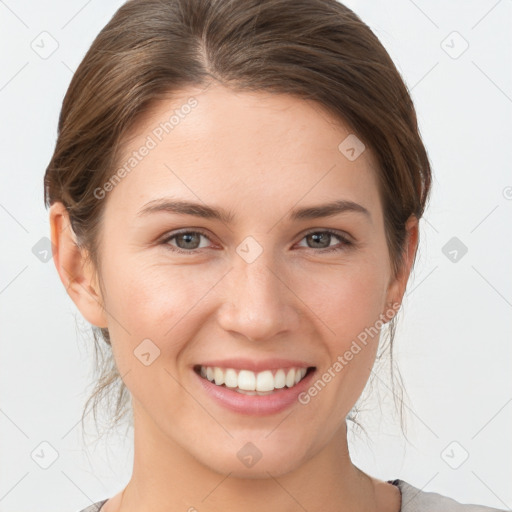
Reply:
x=258, y=278
x=256, y=301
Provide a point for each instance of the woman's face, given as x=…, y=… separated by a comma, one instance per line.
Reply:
x=248, y=279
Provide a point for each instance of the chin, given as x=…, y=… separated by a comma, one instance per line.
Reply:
x=252, y=459
x=275, y=467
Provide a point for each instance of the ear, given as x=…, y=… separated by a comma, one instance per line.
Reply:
x=74, y=268
x=398, y=283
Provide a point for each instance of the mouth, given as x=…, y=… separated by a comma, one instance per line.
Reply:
x=248, y=382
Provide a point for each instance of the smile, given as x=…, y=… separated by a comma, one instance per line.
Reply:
x=253, y=383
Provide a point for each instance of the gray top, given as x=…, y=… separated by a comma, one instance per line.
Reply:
x=413, y=500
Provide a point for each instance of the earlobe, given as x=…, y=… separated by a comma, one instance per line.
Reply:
x=75, y=270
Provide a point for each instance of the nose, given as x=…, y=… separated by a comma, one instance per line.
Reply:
x=257, y=302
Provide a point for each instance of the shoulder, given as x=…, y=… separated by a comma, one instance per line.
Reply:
x=95, y=507
x=416, y=500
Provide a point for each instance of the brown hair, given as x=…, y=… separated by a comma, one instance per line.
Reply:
x=313, y=49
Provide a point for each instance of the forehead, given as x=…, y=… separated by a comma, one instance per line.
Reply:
x=241, y=147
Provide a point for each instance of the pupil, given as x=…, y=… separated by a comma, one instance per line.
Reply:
x=188, y=238
x=317, y=236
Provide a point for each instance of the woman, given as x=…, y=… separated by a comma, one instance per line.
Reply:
x=235, y=195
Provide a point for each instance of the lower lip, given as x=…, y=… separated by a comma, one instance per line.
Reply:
x=255, y=404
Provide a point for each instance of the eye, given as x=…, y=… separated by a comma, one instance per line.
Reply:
x=322, y=239
x=186, y=241
x=189, y=242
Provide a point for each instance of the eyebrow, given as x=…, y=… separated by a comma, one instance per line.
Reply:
x=182, y=207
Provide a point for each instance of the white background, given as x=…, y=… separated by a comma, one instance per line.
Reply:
x=454, y=338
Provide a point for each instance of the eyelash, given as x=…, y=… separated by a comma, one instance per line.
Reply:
x=344, y=240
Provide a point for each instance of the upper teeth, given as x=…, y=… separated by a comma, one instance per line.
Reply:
x=247, y=380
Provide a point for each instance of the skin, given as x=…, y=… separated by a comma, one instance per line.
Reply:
x=258, y=156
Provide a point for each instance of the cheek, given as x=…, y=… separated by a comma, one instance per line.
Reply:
x=168, y=303
x=347, y=299
x=158, y=301
x=360, y=305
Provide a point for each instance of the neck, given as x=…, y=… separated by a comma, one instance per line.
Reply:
x=166, y=477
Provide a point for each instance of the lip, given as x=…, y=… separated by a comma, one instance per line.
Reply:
x=256, y=405
x=256, y=366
